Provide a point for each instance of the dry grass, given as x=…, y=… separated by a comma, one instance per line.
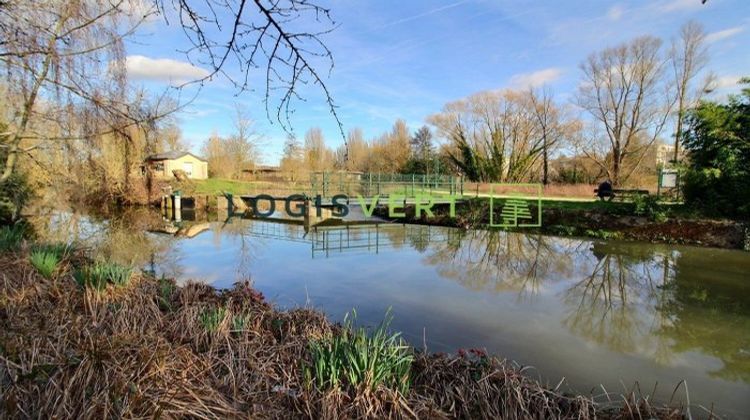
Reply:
x=144, y=350
x=577, y=191
x=550, y=191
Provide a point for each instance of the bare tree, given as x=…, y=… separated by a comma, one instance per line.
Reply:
x=60, y=57
x=624, y=90
x=245, y=143
x=263, y=34
x=689, y=56
x=495, y=136
x=293, y=159
x=67, y=51
x=318, y=157
x=229, y=156
x=554, y=126
x=355, y=153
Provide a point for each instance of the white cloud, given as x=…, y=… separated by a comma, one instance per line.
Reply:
x=727, y=82
x=680, y=5
x=162, y=69
x=615, y=12
x=535, y=79
x=724, y=34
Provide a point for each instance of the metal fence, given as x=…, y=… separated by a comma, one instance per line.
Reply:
x=371, y=184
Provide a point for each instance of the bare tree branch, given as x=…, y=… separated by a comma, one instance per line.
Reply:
x=263, y=35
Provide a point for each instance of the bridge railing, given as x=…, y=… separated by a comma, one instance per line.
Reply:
x=367, y=185
x=371, y=184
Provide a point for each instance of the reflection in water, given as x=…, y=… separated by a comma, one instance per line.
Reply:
x=595, y=312
x=605, y=305
x=499, y=261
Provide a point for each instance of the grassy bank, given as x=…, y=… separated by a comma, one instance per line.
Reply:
x=90, y=339
x=644, y=221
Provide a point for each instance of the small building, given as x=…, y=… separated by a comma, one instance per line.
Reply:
x=262, y=169
x=163, y=165
x=664, y=154
x=263, y=172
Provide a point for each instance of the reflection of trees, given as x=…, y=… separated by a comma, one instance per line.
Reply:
x=711, y=310
x=616, y=304
x=395, y=235
x=121, y=238
x=662, y=303
x=249, y=244
x=501, y=261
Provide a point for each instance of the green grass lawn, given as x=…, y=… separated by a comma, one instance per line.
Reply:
x=215, y=186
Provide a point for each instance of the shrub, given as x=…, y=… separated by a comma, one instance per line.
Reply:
x=45, y=262
x=355, y=358
x=717, y=139
x=603, y=234
x=15, y=192
x=562, y=230
x=648, y=206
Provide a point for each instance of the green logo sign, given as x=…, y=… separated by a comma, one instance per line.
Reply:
x=517, y=201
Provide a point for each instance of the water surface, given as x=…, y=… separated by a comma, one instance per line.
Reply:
x=598, y=313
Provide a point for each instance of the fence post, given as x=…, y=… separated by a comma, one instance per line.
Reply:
x=325, y=182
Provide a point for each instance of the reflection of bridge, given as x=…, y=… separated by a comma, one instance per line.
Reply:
x=316, y=210
x=327, y=236
x=352, y=236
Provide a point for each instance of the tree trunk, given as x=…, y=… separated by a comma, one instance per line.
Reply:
x=13, y=150
x=616, y=168
x=678, y=133
x=545, y=164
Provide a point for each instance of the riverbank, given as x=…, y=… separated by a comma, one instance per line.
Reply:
x=142, y=346
x=670, y=224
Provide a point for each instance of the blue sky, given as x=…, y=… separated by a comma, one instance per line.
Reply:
x=406, y=59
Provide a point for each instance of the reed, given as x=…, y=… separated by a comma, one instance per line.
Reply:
x=356, y=358
x=45, y=262
x=99, y=274
x=60, y=250
x=212, y=318
x=10, y=237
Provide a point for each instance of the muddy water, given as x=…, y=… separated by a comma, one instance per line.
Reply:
x=601, y=314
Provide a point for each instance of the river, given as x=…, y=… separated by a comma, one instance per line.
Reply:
x=604, y=315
